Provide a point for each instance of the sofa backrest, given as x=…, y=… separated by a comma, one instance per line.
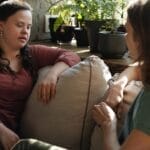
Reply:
x=66, y=121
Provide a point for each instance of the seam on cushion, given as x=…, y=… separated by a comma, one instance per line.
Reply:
x=86, y=106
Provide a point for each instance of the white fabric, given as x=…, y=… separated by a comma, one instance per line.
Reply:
x=66, y=121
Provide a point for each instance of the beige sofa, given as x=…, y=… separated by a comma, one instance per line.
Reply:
x=66, y=121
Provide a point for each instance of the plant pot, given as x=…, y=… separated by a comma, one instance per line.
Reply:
x=81, y=37
x=112, y=45
x=92, y=31
x=64, y=33
x=51, y=27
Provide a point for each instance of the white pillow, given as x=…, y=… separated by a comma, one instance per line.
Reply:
x=66, y=121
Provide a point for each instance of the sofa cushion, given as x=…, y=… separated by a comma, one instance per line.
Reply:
x=66, y=121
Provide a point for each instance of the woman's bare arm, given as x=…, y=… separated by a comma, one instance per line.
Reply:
x=114, y=94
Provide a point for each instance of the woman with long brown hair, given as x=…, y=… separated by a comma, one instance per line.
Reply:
x=136, y=131
x=19, y=64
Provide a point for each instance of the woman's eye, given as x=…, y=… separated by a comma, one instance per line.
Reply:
x=29, y=27
x=20, y=25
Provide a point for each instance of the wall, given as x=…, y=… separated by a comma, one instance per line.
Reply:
x=40, y=8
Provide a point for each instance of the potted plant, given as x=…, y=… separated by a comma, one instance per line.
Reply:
x=89, y=12
x=80, y=31
x=60, y=25
x=68, y=13
x=111, y=36
x=100, y=14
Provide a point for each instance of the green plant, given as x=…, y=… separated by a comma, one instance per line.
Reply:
x=110, y=10
x=113, y=12
x=111, y=42
x=81, y=10
x=64, y=10
x=88, y=9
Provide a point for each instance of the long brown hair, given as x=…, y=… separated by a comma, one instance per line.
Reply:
x=139, y=18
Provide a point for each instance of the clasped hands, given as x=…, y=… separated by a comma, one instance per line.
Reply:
x=106, y=113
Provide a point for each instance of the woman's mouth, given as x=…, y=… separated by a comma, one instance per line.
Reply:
x=23, y=39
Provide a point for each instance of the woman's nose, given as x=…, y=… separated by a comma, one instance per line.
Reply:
x=25, y=30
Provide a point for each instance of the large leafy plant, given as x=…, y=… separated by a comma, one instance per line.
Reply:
x=81, y=9
x=88, y=9
x=111, y=10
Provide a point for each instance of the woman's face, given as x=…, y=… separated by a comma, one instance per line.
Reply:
x=16, y=29
x=131, y=41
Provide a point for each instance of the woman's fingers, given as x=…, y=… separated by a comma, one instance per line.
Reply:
x=114, y=96
x=103, y=114
x=42, y=93
x=52, y=90
x=46, y=92
x=99, y=113
x=101, y=108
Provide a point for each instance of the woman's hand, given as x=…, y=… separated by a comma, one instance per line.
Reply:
x=47, y=86
x=104, y=116
x=114, y=95
x=7, y=137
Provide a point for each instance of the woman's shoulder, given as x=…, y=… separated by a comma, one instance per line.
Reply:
x=38, y=49
x=141, y=118
x=38, y=46
x=46, y=48
x=143, y=99
x=146, y=94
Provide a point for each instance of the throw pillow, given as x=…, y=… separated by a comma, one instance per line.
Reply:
x=66, y=121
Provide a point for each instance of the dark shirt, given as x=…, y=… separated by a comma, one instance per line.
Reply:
x=138, y=116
